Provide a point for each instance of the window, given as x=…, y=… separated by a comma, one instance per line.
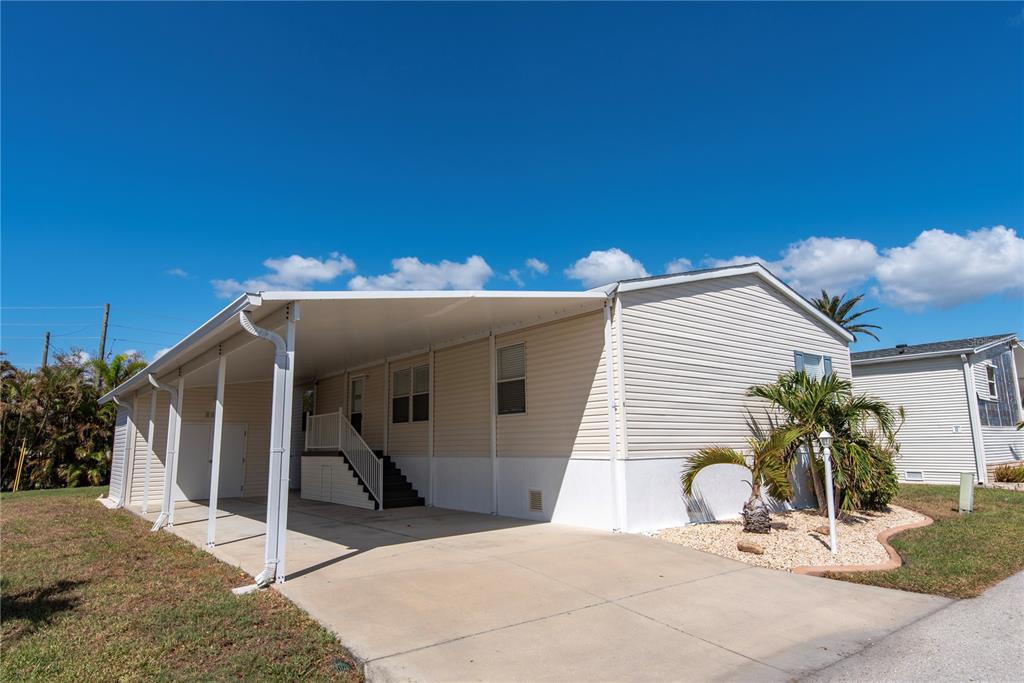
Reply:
x=815, y=366
x=990, y=378
x=511, y=376
x=410, y=394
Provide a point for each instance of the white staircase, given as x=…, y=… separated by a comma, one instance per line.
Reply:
x=329, y=479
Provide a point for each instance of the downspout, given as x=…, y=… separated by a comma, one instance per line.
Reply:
x=170, y=450
x=129, y=447
x=972, y=409
x=613, y=442
x=278, y=449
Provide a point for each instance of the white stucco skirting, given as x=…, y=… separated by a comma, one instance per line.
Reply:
x=576, y=490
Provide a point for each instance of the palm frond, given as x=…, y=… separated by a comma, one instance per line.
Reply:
x=705, y=457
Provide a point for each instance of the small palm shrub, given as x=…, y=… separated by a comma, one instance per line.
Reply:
x=768, y=470
x=1013, y=474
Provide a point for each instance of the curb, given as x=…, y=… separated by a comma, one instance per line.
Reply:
x=894, y=561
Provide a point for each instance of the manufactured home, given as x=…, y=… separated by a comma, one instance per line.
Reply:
x=572, y=407
x=962, y=400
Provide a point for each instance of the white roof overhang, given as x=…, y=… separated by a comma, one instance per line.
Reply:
x=339, y=330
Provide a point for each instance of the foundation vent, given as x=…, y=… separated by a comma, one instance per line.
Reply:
x=536, y=500
x=915, y=476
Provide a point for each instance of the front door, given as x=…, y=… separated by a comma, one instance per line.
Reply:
x=356, y=402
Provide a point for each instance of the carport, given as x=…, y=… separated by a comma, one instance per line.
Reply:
x=288, y=338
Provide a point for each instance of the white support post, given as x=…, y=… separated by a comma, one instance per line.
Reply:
x=430, y=431
x=286, y=442
x=494, y=422
x=612, y=434
x=149, y=452
x=280, y=446
x=387, y=403
x=218, y=435
x=169, y=451
x=178, y=417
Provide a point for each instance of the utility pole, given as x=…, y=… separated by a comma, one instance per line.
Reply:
x=103, y=330
x=46, y=348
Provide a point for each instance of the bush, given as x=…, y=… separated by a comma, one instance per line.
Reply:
x=883, y=488
x=1013, y=474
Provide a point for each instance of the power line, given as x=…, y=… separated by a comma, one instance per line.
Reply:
x=46, y=308
x=62, y=336
x=146, y=329
x=40, y=324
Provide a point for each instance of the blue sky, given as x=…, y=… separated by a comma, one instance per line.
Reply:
x=159, y=156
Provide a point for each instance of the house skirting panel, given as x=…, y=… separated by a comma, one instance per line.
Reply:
x=573, y=491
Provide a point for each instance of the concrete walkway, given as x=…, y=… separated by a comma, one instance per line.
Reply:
x=428, y=594
x=970, y=640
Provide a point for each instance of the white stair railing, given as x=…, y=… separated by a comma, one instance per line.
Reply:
x=333, y=432
x=364, y=461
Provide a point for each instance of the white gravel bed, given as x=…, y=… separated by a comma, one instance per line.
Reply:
x=797, y=545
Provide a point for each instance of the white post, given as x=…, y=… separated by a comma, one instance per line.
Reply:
x=623, y=432
x=826, y=443
x=169, y=453
x=977, y=439
x=430, y=431
x=218, y=434
x=286, y=442
x=494, y=423
x=178, y=417
x=149, y=452
x=387, y=403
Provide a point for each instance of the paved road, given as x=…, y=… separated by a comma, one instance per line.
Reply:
x=970, y=640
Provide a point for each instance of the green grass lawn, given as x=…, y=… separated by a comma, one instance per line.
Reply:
x=90, y=594
x=959, y=555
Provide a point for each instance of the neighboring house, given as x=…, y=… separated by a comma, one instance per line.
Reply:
x=574, y=407
x=962, y=399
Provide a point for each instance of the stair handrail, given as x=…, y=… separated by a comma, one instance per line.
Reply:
x=361, y=457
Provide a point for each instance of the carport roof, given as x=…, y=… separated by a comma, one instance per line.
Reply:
x=346, y=329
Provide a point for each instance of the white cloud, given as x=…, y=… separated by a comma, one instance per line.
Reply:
x=679, y=265
x=161, y=352
x=816, y=263
x=603, y=267
x=515, y=277
x=944, y=269
x=290, y=272
x=411, y=273
x=537, y=266
x=178, y=272
x=80, y=357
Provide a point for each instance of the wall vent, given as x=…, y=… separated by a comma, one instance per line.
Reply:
x=914, y=476
x=536, y=502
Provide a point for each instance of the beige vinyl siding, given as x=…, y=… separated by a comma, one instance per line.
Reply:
x=407, y=438
x=692, y=350
x=375, y=405
x=118, y=457
x=140, y=454
x=932, y=392
x=461, y=400
x=566, y=404
x=1003, y=445
x=331, y=394
x=247, y=403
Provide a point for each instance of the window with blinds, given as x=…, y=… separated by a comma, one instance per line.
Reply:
x=410, y=394
x=511, y=378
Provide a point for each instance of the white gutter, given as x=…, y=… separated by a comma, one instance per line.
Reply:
x=166, y=362
x=425, y=294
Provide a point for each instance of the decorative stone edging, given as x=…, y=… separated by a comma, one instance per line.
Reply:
x=894, y=561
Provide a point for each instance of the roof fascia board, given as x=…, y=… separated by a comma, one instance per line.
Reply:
x=438, y=294
x=753, y=269
x=1010, y=338
x=166, y=361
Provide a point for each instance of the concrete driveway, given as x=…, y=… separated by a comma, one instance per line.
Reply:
x=428, y=594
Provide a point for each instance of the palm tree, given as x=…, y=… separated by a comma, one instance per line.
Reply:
x=863, y=428
x=841, y=312
x=767, y=467
x=117, y=370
